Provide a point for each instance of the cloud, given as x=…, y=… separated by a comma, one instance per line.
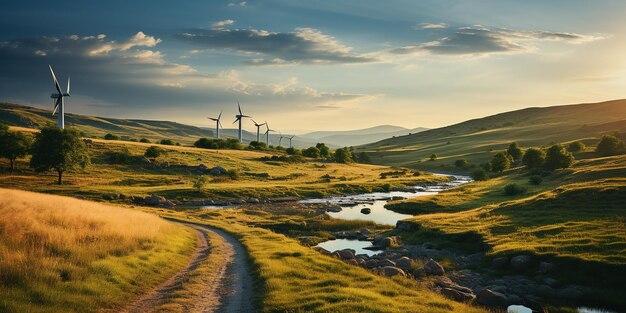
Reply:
x=238, y=4
x=480, y=40
x=132, y=77
x=302, y=46
x=223, y=23
x=432, y=26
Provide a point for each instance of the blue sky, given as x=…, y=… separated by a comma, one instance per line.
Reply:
x=312, y=65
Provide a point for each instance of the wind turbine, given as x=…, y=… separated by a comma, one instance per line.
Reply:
x=290, y=140
x=58, y=102
x=267, y=133
x=218, y=124
x=239, y=117
x=258, y=130
x=280, y=139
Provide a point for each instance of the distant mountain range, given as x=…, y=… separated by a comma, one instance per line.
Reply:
x=360, y=136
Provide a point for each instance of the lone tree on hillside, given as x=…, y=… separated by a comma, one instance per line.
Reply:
x=153, y=152
x=610, y=145
x=534, y=158
x=500, y=162
x=13, y=145
x=557, y=157
x=343, y=155
x=514, y=151
x=58, y=149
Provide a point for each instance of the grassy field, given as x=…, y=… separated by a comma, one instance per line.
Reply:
x=62, y=254
x=477, y=140
x=256, y=177
x=294, y=278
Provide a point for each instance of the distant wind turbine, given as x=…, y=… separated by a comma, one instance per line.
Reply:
x=280, y=139
x=258, y=130
x=218, y=124
x=290, y=138
x=239, y=117
x=267, y=133
x=59, y=103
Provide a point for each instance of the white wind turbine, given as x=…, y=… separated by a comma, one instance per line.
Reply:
x=239, y=117
x=258, y=130
x=267, y=134
x=290, y=138
x=58, y=102
x=218, y=124
x=280, y=139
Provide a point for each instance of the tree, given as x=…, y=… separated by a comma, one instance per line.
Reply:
x=480, y=174
x=514, y=151
x=343, y=155
x=610, y=145
x=433, y=157
x=153, y=152
x=144, y=140
x=58, y=149
x=576, y=146
x=13, y=145
x=111, y=137
x=460, y=163
x=293, y=151
x=168, y=142
x=364, y=158
x=311, y=152
x=534, y=158
x=324, y=150
x=557, y=157
x=500, y=162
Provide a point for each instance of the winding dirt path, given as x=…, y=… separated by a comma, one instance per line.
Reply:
x=225, y=285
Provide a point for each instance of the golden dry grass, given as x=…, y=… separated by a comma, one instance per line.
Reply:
x=63, y=254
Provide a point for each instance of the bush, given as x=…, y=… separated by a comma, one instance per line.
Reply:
x=610, y=145
x=111, y=137
x=144, y=140
x=514, y=151
x=153, y=152
x=500, y=162
x=576, y=146
x=480, y=175
x=199, y=183
x=257, y=145
x=293, y=151
x=324, y=150
x=461, y=163
x=168, y=142
x=119, y=157
x=343, y=155
x=513, y=189
x=534, y=158
x=233, y=174
x=433, y=157
x=231, y=143
x=363, y=158
x=535, y=179
x=311, y=152
x=557, y=157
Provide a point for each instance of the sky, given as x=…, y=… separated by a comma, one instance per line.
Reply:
x=313, y=65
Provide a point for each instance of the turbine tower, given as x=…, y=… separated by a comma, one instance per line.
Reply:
x=58, y=102
x=258, y=130
x=290, y=140
x=218, y=124
x=267, y=134
x=239, y=117
x=280, y=139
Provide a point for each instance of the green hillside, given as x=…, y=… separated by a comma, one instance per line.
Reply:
x=23, y=116
x=471, y=139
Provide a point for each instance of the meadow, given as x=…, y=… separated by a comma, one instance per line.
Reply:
x=63, y=254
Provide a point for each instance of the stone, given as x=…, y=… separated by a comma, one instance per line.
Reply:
x=520, y=262
x=217, y=171
x=346, y=254
x=153, y=200
x=366, y=210
x=431, y=267
x=390, y=271
x=458, y=295
x=488, y=297
x=110, y=196
x=388, y=242
x=570, y=293
x=365, y=231
x=404, y=263
x=386, y=262
x=371, y=263
x=546, y=267
x=322, y=250
x=445, y=282
x=407, y=226
x=352, y=262
x=253, y=201
x=500, y=262
x=334, y=208
x=549, y=281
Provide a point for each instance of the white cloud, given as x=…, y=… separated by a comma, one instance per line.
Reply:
x=432, y=26
x=223, y=23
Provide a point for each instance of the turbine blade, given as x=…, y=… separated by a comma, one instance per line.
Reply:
x=68, y=85
x=220, y=116
x=238, y=106
x=236, y=120
x=56, y=106
x=56, y=82
x=220, y=124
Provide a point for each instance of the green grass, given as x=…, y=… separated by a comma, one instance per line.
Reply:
x=59, y=254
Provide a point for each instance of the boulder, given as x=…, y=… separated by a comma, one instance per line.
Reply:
x=322, y=250
x=371, y=263
x=365, y=231
x=202, y=168
x=520, y=262
x=570, y=292
x=388, y=242
x=392, y=271
x=458, y=295
x=110, y=196
x=217, y=171
x=488, y=297
x=433, y=268
x=404, y=263
x=334, y=208
x=445, y=282
x=153, y=200
x=386, y=262
x=253, y=201
x=545, y=267
x=347, y=254
x=407, y=226
x=500, y=262
x=366, y=210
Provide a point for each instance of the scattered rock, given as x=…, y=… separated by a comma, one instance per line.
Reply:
x=217, y=171
x=334, y=208
x=500, y=262
x=389, y=242
x=457, y=295
x=371, y=263
x=488, y=297
x=392, y=271
x=346, y=254
x=433, y=268
x=406, y=226
x=404, y=263
x=520, y=262
x=386, y=262
x=570, y=292
x=110, y=196
x=366, y=210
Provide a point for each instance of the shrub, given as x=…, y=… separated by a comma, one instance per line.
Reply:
x=168, y=142
x=233, y=174
x=500, y=162
x=199, y=183
x=311, y=152
x=119, y=157
x=513, y=189
x=324, y=150
x=576, y=146
x=514, y=151
x=534, y=158
x=111, y=137
x=535, y=179
x=433, y=157
x=557, y=157
x=364, y=158
x=480, y=174
x=58, y=149
x=144, y=140
x=610, y=145
x=461, y=163
x=257, y=145
x=292, y=151
x=153, y=152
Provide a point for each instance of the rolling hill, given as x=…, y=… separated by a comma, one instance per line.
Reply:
x=471, y=139
x=360, y=136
